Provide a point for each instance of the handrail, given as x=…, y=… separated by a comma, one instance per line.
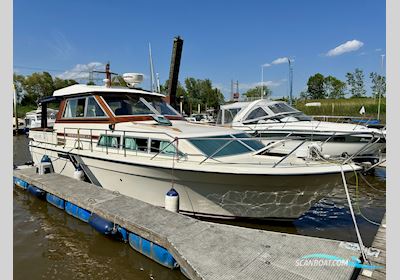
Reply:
x=291, y=152
x=217, y=151
x=160, y=151
x=362, y=149
x=233, y=137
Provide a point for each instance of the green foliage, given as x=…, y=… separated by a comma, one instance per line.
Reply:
x=343, y=107
x=378, y=86
x=315, y=87
x=117, y=81
x=256, y=92
x=334, y=88
x=356, y=83
x=202, y=92
x=36, y=86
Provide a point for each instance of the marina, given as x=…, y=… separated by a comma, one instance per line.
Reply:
x=125, y=169
x=231, y=252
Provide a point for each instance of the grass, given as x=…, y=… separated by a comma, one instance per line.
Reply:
x=345, y=107
x=22, y=110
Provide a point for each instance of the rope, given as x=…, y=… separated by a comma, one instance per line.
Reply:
x=370, y=185
x=360, y=242
x=358, y=206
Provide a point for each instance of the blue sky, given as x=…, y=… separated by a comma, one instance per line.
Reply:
x=223, y=40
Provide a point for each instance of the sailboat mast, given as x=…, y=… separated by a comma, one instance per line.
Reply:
x=152, y=80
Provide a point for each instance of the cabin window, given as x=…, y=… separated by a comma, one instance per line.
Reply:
x=75, y=108
x=93, y=109
x=162, y=146
x=257, y=113
x=250, y=141
x=162, y=107
x=229, y=115
x=109, y=141
x=136, y=144
x=127, y=105
x=281, y=108
x=86, y=107
x=212, y=144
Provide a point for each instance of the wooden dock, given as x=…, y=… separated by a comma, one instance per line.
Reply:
x=204, y=250
x=380, y=244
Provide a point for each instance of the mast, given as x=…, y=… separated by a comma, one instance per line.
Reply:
x=152, y=80
x=290, y=81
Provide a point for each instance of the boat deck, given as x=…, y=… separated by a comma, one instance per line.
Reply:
x=203, y=250
x=378, y=243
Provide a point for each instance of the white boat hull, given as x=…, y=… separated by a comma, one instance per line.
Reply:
x=219, y=195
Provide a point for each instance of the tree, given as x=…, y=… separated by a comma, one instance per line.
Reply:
x=315, y=87
x=255, y=92
x=118, y=81
x=202, y=92
x=303, y=95
x=356, y=83
x=60, y=83
x=38, y=85
x=334, y=88
x=19, y=81
x=378, y=86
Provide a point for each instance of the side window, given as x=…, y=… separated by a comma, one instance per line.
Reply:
x=257, y=113
x=75, y=108
x=164, y=146
x=109, y=141
x=136, y=144
x=130, y=144
x=93, y=109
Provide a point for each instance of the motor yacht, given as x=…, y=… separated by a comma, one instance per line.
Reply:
x=131, y=141
x=33, y=118
x=284, y=128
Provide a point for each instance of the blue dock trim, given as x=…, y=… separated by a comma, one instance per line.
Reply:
x=77, y=212
x=55, y=200
x=152, y=250
x=104, y=226
x=20, y=183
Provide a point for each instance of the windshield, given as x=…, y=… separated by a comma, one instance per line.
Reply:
x=278, y=108
x=226, y=145
x=127, y=105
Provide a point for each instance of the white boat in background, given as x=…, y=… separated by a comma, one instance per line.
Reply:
x=284, y=128
x=200, y=118
x=21, y=125
x=129, y=140
x=33, y=118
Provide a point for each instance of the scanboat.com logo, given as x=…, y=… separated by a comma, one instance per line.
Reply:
x=330, y=260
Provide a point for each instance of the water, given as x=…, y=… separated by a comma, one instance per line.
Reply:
x=50, y=244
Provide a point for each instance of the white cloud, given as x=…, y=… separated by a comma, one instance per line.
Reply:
x=378, y=50
x=280, y=60
x=266, y=65
x=349, y=46
x=80, y=71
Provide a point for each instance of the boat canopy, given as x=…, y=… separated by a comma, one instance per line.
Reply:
x=82, y=89
x=259, y=110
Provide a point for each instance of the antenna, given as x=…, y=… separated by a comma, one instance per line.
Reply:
x=290, y=81
x=158, y=83
x=152, y=80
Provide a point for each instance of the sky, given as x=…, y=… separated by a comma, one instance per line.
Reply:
x=223, y=40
